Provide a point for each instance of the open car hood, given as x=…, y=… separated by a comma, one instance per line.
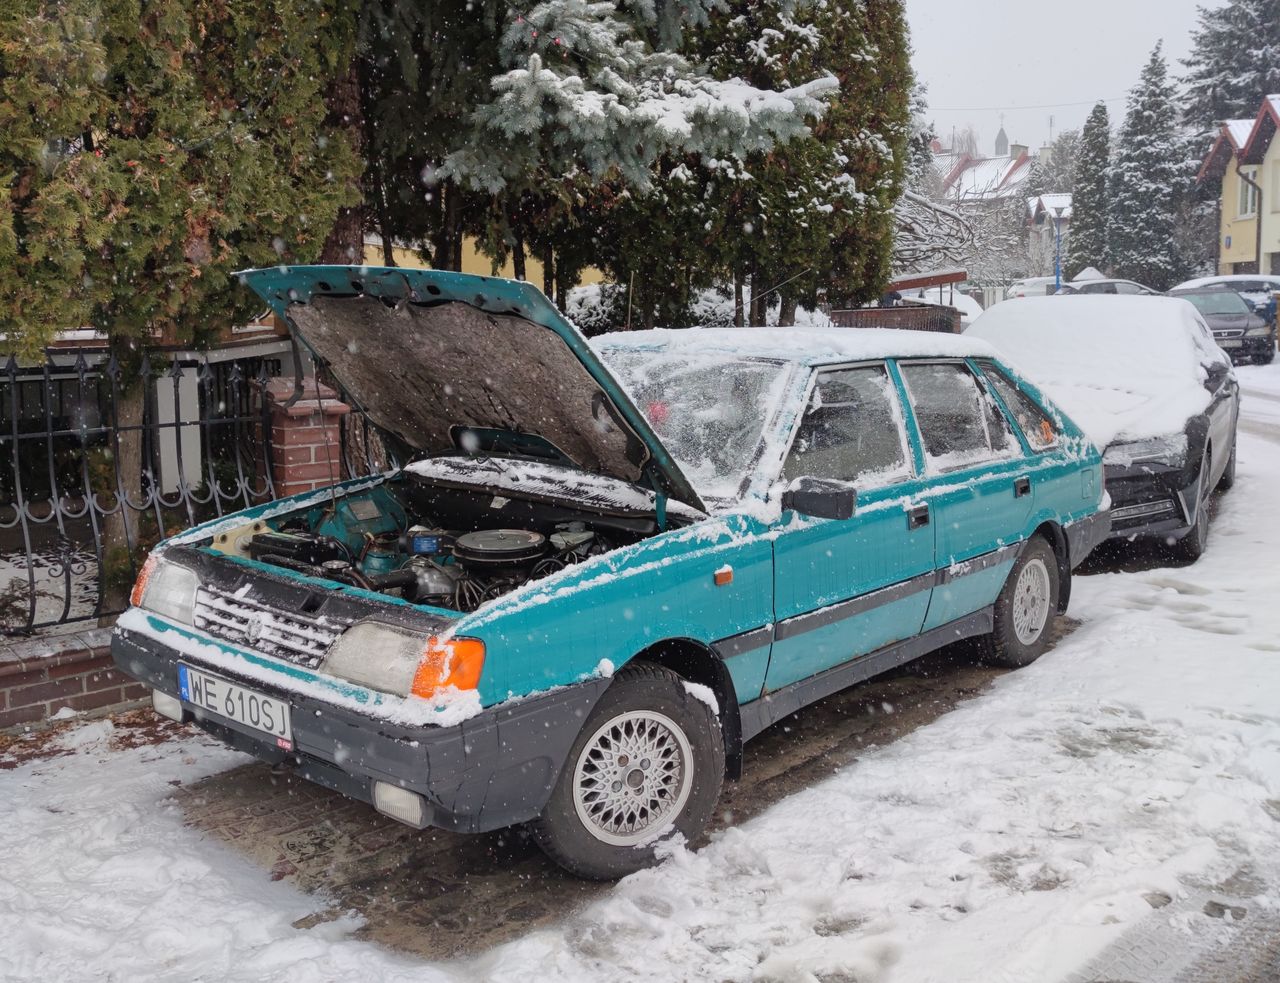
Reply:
x=445, y=360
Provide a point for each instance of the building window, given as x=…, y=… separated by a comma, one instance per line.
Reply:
x=1248, y=203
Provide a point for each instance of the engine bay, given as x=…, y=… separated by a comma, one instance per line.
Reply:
x=452, y=548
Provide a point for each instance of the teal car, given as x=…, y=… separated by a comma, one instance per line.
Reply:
x=595, y=570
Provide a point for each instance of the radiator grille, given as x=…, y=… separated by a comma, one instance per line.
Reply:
x=285, y=635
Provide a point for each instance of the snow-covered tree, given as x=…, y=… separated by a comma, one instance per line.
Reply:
x=1090, y=202
x=1145, y=182
x=1234, y=62
x=602, y=87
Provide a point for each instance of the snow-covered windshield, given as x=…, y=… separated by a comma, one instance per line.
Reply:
x=1217, y=302
x=710, y=411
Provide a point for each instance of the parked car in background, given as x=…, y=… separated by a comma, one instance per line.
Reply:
x=600, y=571
x=1126, y=288
x=1032, y=286
x=1257, y=289
x=1238, y=329
x=1145, y=379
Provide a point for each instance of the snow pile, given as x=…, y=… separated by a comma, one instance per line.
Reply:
x=969, y=308
x=1123, y=368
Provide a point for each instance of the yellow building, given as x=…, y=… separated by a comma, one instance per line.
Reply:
x=1238, y=208
x=1260, y=157
x=473, y=261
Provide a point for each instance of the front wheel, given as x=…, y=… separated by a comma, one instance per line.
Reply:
x=1192, y=545
x=1025, y=609
x=648, y=763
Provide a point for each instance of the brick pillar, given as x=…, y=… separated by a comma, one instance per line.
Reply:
x=306, y=449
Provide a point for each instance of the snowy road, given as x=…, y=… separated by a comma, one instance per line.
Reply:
x=1110, y=813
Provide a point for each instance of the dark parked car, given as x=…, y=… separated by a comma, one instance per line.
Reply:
x=1238, y=329
x=1144, y=379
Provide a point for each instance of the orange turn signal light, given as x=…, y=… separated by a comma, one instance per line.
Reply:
x=723, y=576
x=448, y=663
x=140, y=585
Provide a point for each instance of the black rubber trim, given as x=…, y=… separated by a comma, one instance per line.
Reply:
x=772, y=707
x=748, y=641
x=854, y=606
x=491, y=771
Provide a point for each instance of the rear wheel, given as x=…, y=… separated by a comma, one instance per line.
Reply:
x=648, y=763
x=1025, y=609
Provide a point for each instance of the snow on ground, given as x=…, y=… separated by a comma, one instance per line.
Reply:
x=1008, y=841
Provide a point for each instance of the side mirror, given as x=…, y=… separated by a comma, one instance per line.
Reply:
x=821, y=498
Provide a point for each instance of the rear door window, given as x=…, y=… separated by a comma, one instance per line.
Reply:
x=960, y=425
x=852, y=430
x=1034, y=423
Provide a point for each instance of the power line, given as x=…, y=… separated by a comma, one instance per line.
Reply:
x=996, y=109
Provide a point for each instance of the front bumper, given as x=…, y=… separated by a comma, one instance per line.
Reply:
x=492, y=770
x=1248, y=348
x=1151, y=500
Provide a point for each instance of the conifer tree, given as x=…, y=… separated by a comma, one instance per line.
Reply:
x=1145, y=182
x=1234, y=62
x=1090, y=202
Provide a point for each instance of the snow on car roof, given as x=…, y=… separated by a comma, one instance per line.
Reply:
x=807, y=346
x=1121, y=367
x=1208, y=281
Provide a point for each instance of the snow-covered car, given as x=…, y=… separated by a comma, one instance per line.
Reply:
x=1239, y=330
x=1123, y=288
x=1032, y=286
x=1145, y=379
x=1256, y=288
x=601, y=570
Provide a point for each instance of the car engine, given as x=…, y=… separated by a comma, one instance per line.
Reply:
x=374, y=543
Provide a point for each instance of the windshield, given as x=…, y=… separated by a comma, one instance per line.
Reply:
x=710, y=411
x=1218, y=302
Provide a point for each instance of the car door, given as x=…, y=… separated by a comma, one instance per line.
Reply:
x=978, y=495
x=845, y=587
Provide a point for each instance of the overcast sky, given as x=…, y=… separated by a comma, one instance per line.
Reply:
x=981, y=58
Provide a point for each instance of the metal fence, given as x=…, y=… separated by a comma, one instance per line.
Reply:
x=102, y=463
x=922, y=317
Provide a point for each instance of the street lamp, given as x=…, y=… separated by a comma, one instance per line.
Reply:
x=1057, y=248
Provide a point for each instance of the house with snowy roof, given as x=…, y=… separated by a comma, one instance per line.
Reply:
x=1047, y=216
x=970, y=179
x=1244, y=163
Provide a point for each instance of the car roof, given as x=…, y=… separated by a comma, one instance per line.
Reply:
x=805, y=346
x=1102, y=279
x=1202, y=288
x=1227, y=278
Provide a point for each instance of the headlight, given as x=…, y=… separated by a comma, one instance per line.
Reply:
x=1257, y=332
x=166, y=589
x=404, y=662
x=1171, y=450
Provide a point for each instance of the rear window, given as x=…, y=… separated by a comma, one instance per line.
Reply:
x=1034, y=423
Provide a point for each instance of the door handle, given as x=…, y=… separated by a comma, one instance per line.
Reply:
x=1021, y=486
x=917, y=516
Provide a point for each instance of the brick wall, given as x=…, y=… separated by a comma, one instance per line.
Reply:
x=76, y=673
x=306, y=449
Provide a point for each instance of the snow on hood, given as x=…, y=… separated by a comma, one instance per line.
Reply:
x=433, y=356
x=1123, y=368
x=544, y=480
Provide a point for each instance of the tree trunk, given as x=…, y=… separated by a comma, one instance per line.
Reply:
x=739, y=316
x=345, y=242
x=757, y=299
x=787, y=313
x=548, y=273
x=448, y=251
x=518, y=257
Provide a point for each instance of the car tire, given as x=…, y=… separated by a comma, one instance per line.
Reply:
x=1228, y=478
x=1192, y=545
x=671, y=769
x=1265, y=358
x=1025, y=610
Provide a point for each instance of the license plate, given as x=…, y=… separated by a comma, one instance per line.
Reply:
x=1233, y=343
x=246, y=707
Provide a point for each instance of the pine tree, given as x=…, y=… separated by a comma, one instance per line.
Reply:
x=1090, y=201
x=1145, y=182
x=1234, y=62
